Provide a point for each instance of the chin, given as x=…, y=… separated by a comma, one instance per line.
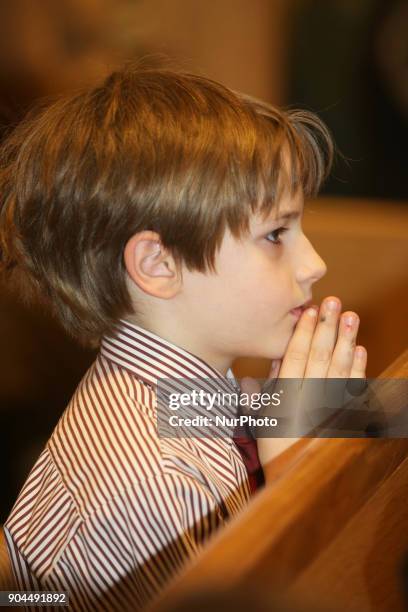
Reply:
x=267, y=352
x=276, y=351
x=268, y=348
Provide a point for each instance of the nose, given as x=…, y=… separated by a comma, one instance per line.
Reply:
x=310, y=266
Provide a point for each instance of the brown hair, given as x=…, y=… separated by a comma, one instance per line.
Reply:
x=147, y=149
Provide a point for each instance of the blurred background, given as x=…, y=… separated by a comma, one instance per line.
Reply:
x=347, y=60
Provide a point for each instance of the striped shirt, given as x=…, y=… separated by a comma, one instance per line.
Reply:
x=111, y=510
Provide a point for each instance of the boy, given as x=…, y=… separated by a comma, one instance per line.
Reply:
x=145, y=213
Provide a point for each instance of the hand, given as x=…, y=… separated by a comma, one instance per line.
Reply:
x=322, y=346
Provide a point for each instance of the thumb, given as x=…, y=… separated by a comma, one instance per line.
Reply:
x=274, y=371
x=249, y=386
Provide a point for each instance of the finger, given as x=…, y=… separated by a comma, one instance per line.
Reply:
x=343, y=354
x=270, y=382
x=359, y=366
x=297, y=352
x=324, y=339
x=274, y=371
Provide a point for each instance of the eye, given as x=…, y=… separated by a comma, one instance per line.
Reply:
x=276, y=233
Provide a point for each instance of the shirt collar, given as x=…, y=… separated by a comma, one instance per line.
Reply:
x=150, y=357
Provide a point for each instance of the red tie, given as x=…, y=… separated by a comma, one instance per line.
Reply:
x=248, y=449
x=249, y=452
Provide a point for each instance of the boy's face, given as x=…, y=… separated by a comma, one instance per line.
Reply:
x=244, y=309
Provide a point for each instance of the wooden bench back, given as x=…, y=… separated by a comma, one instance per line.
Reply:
x=6, y=573
x=332, y=520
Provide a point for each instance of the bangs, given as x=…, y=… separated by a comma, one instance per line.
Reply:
x=293, y=150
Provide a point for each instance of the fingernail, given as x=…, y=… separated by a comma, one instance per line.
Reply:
x=332, y=305
x=311, y=312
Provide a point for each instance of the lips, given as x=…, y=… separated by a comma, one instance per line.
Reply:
x=297, y=312
x=303, y=306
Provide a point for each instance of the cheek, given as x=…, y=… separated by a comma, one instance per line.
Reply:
x=255, y=280
x=268, y=295
x=255, y=294
x=261, y=274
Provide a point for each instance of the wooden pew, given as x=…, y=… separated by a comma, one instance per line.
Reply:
x=7, y=582
x=330, y=528
x=6, y=573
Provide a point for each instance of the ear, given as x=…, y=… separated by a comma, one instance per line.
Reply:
x=150, y=266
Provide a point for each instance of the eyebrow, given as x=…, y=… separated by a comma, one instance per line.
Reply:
x=288, y=215
x=285, y=215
